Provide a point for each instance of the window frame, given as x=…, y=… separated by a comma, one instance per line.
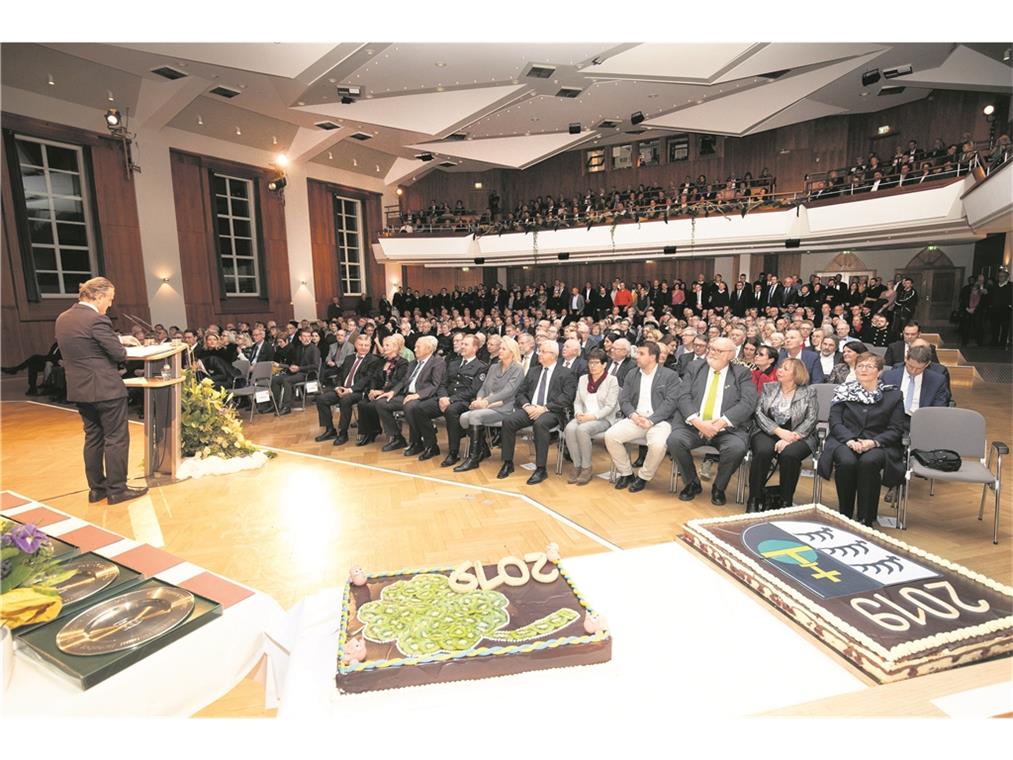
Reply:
x=86, y=175
x=654, y=145
x=256, y=234
x=340, y=242
x=600, y=166
x=681, y=139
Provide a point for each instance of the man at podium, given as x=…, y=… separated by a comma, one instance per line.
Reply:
x=91, y=352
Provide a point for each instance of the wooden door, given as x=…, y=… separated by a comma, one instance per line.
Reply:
x=938, y=293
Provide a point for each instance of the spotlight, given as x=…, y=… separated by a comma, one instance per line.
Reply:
x=400, y=191
x=347, y=100
x=113, y=118
x=668, y=250
x=281, y=160
x=898, y=71
x=277, y=184
x=988, y=110
x=424, y=156
x=870, y=77
x=575, y=129
x=637, y=117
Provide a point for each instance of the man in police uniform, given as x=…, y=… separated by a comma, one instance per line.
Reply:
x=91, y=353
x=461, y=384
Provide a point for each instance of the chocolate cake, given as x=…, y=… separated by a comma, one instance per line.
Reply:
x=414, y=627
x=893, y=610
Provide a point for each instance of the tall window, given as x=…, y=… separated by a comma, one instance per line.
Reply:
x=649, y=152
x=237, y=243
x=348, y=231
x=58, y=215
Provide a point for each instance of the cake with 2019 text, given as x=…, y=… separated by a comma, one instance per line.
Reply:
x=412, y=627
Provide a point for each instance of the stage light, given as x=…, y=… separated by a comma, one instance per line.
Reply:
x=281, y=160
x=575, y=128
x=668, y=249
x=113, y=118
x=636, y=117
x=988, y=110
x=870, y=77
x=478, y=185
x=277, y=184
x=399, y=191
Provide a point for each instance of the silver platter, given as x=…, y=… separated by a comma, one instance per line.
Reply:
x=91, y=575
x=125, y=621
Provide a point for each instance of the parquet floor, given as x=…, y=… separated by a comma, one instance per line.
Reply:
x=295, y=526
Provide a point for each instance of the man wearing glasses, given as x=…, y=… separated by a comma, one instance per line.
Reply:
x=714, y=407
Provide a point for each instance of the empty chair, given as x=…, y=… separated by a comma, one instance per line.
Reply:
x=962, y=431
x=259, y=380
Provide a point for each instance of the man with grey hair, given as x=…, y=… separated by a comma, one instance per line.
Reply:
x=526, y=344
x=423, y=380
x=91, y=352
x=621, y=363
x=571, y=359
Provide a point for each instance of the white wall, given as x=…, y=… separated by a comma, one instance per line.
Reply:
x=886, y=262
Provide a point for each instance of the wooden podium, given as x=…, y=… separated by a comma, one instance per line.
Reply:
x=163, y=450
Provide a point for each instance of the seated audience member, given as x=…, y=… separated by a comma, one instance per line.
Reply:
x=863, y=449
x=461, y=384
x=339, y=350
x=919, y=385
x=391, y=372
x=765, y=361
x=421, y=382
x=37, y=364
x=545, y=398
x=621, y=363
x=786, y=416
x=594, y=411
x=494, y=402
x=829, y=357
x=694, y=359
x=795, y=348
x=896, y=352
x=355, y=378
x=526, y=346
x=261, y=350
x=282, y=349
x=303, y=359
x=844, y=372
x=715, y=407
x=934, y=366
x=647, y=401
x=571, y=359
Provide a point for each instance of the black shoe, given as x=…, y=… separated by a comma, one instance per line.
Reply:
x=326, y=435
x=538, y=476
x=365, y=440
x=718, y=497
x=468, y=464
x=264, y=408
x=8, y=370
x=429, y=453
x=284, y=410
x=413, y=450
x=484, y=452
x=641, y=457
x=505, y=470
x=125, y=495
x=96, y=494
x=452, y=459
x=691, y=490
x=341, y=440
x=623, y=480
x=753, y=504
x=638, y=484
x=394, y=445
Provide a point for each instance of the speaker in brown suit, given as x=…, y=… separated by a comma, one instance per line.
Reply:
x=91, y=352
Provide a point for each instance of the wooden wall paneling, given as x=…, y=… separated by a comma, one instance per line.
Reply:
x=420, y=279
x=196, y=248
x=322, y=244
x=275, y=239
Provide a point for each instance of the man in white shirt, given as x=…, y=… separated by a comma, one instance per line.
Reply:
x=647, y=401
x=829, y=358
x=526, y=344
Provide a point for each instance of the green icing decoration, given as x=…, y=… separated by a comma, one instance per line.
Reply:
x=425, y=616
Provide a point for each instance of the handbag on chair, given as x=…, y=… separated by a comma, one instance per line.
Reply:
x=944, y=460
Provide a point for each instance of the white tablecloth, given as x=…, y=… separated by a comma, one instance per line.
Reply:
x=179, y=680
x=687, y=642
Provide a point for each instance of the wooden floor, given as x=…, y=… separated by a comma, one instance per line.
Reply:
x=296, y=526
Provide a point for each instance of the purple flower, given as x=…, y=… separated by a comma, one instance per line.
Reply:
x=28, y=538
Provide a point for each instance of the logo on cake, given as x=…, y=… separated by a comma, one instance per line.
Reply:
x=829, y=561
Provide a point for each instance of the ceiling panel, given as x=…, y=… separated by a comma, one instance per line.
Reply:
x=514, y=152
x=779, y=56
x=275, y=58
x=221, y=120
x=675, y=61
x=965, y=68
x=803, y=110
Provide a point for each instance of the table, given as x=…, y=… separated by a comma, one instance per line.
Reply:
x=180, y=679
x=704, y=648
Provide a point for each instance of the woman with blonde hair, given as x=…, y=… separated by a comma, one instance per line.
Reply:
x=494, y=402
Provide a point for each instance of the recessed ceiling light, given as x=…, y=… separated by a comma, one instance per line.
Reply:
x=109, y=96
x=441, y=64
x=51, y=82
x=330, y=156
x=274, y=139
x=300, y=103
x=239, y=132
x=200, y=120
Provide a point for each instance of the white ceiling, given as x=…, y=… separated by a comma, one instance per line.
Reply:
x=417, y=94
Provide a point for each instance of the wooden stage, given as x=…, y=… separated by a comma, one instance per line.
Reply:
x=297, y=525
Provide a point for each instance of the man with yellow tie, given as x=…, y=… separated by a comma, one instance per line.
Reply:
x=715, y=407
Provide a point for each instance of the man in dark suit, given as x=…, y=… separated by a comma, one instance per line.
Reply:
x=1000, y=308
x=698, y=299
x=772, y=292
x=422, y=382
x=261, y=350
x=545, y=399
x=461, y=384
x=692, y=358
x=621, y=363
x=919, y=385
x=741, y=299
x=91, y=351
x=794, y=348
x=571, y=359
x=896, y=352
x=715, y=406
x=303, y=358
x=355, y=377
x=827, y=358
x=647, y=401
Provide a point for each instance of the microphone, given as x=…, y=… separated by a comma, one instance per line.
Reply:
x=138, y=321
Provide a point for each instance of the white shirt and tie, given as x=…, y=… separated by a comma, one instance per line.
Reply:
x=911, y=387
x=542, y=388
x=713, y=396
x=526, y=362
x=415, y=375
x=256, y=352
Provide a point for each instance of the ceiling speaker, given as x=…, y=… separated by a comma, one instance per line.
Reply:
x=870, y=77
x=668, y=249
x=637, y=117
x=575, y=129
x=792, y=243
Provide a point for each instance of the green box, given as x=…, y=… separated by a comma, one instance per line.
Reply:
x=87, y=671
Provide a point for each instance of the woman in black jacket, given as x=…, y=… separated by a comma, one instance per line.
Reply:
x=863, y=448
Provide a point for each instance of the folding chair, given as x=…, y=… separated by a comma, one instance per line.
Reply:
x=259, y=380
x=963, y=431
x=299, y=388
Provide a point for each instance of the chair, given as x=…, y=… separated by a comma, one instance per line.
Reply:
x=243, y=366
x=560, y=444
x=259, y=380
x=877, y=350
x=300, y=388
x=642, y=441
x=702, y=451
x=963, y=431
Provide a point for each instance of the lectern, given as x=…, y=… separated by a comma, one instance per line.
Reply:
x=163, y=384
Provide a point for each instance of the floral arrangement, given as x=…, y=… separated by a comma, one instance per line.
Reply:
x=210, y=426
x=28, y=574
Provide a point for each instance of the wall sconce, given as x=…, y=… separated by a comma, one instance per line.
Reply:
x=165, y=280
x=116, y=123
